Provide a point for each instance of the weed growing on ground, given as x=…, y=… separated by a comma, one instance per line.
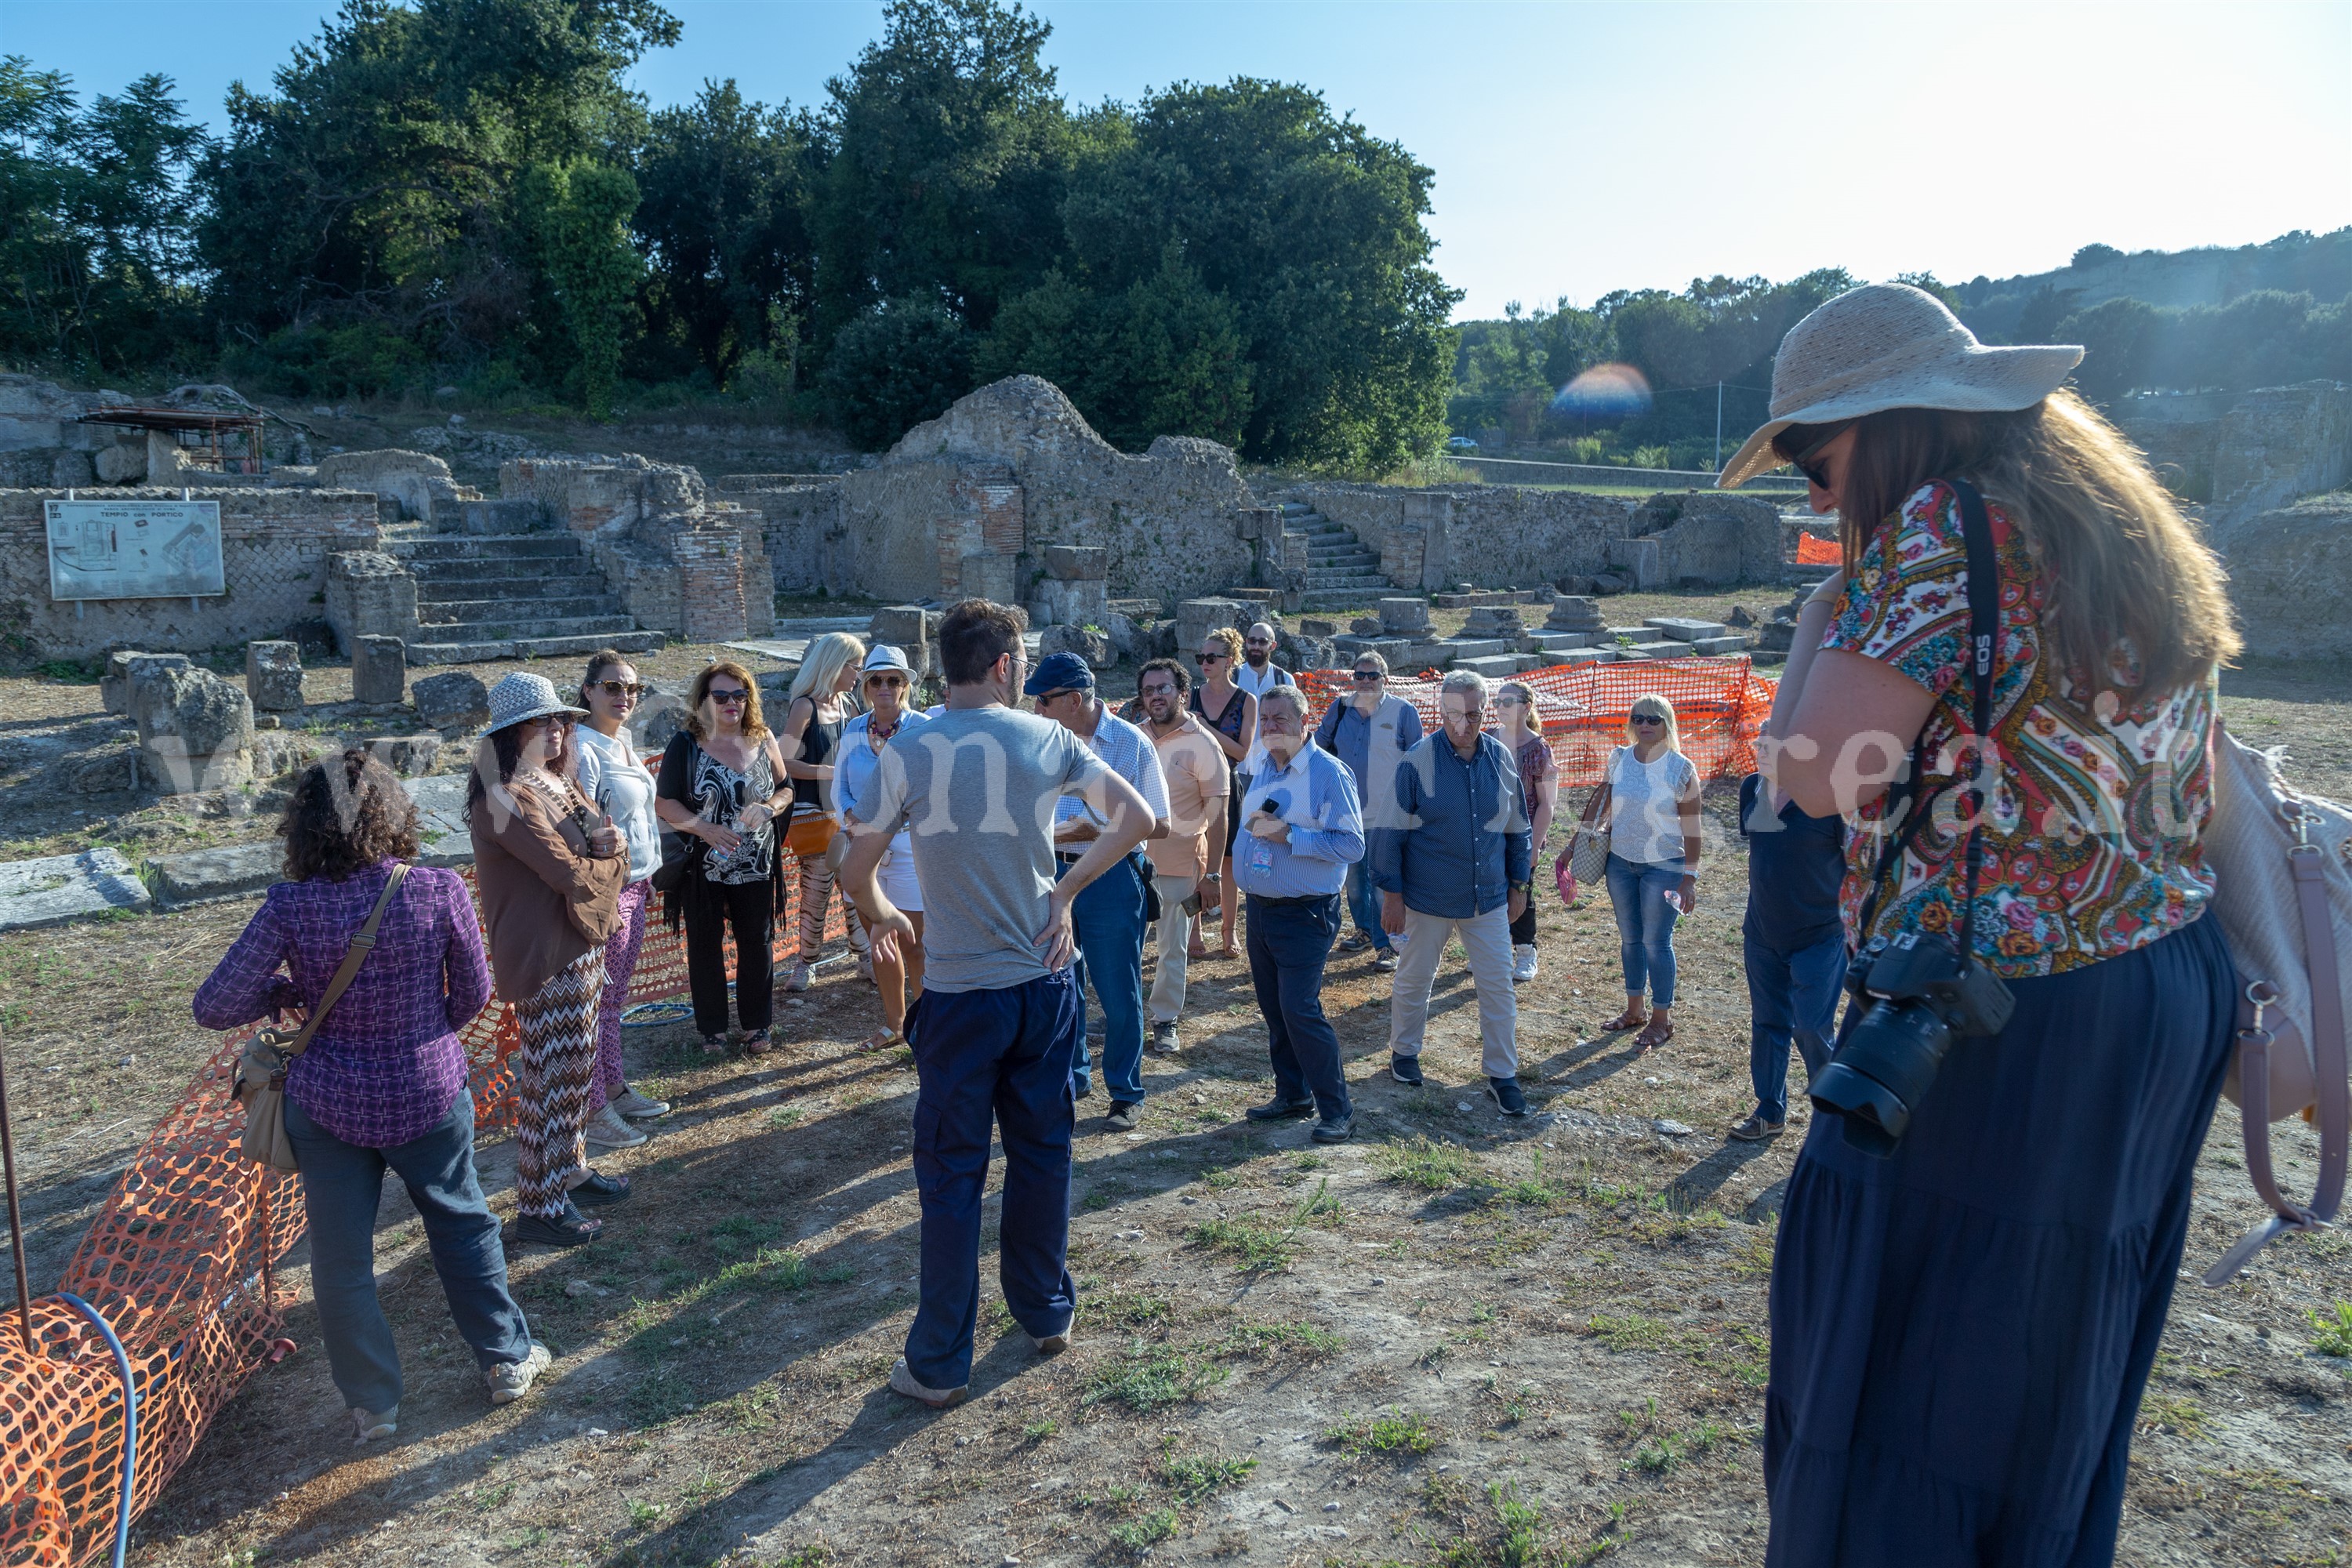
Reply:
x=1039, y=1431
x=1396, y=1434
x=2335, y=1335
x=2185, y=1416
x=1220, y=1180
x=1534, y=1192
x=1633, y=1332
x=1147, y=1383
x=1670, y=1450
x=1423, y=1163
x=1135, y=1310
x=1302, y=1340
x=1257, y=1246
x=1140, y=1533
x=1192, y=1477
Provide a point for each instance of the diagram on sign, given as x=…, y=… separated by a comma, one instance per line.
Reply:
x=134, y=550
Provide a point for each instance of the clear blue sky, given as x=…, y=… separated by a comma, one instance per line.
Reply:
x=1581, y=148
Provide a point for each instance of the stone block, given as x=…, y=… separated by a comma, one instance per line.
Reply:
x=100, y=769
x=660, y=716
x=1303, y=653
x=901, y=624
x=1494, y=666
x=203, y=876
x=1317, y=627
x=1777, y=636
x=504, y=515
x=71, y=471
x=407, y=755
x=1077, y=562
x=1366, y=626
x=114, y=686
x=456, y=701
x=1640, y=560
x=1092, y=647
x=1573, y=613
x=273, y=675
x=279, y=753
x=1624, y=636
x=369, y=594
x=1195, y=618
x=987, y=575
x=1140, y=609
x=379, y=670
x=1680, y=628
x=1477, y=648
x=1070, y=602
x=1258, y=523
x=1559, y=642
x=1581, y=655
x=1420, y=656
x=1722, y=645
x=120, y=465
x=59, y=889
x=1404, y=615
x=1607, y=583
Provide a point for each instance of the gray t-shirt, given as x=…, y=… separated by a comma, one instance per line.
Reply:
x=976, y=787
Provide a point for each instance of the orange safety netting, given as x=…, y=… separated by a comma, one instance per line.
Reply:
x=1813, y=552
x=180, y=1260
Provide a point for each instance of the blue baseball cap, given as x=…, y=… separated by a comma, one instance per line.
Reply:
x=1062, y=671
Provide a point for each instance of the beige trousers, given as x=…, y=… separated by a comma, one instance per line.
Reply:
x=1175, y=937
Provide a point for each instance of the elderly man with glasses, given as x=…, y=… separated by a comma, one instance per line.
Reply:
x=1109, y=917
x=1457, y=863
x=1371, y=731
x=1302, y=829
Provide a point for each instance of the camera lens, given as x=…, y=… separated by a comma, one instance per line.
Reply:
x=1883, y=1071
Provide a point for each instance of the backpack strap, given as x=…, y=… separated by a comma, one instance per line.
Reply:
x=353, y=956
x=2307, y=870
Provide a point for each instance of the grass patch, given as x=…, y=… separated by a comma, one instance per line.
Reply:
x=2335, y=1335
x=1392, y=1435
x=1147, y=1383
x=1192, y=1477
x=1669, y=1451
x=1137, y=1534
x=2184, y=1416
x=1303, y=1340
x=1534, y=1192
x=1423, y=1163
x=1257, y=1246
x=1633, y=1332
x=1135, y=1310
x=1218, y=1180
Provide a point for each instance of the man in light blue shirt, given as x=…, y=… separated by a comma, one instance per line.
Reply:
x=1302, y=827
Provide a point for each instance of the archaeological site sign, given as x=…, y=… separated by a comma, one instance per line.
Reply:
x=135, y=549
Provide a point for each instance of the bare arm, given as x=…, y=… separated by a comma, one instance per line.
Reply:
x=1851, y=734
x=797, y=719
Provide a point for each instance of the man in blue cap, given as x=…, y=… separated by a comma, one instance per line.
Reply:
x=1107, y=917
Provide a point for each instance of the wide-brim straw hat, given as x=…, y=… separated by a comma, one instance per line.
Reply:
x=1889, y=345
x=520, y=698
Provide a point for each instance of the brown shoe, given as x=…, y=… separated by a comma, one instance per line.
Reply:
x=902, y=1381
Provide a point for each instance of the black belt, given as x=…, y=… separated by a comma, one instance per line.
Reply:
x=1305, y=899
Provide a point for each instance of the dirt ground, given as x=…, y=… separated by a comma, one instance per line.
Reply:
x=1456, y=1341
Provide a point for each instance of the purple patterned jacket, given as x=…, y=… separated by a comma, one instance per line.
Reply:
x=387, y=1066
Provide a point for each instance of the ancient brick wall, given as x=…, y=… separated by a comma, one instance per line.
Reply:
x=1495, y=536
x=802, y=534
x=273, y=548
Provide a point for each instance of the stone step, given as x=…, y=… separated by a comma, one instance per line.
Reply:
x=569, y=646
x=1494, y=666
x=579, y=607
x=1340, y=598
x=449, y=590
x=522, y=567
x=509, y=629
x=486, y=547
x=1370, y=582
x=1316, y=556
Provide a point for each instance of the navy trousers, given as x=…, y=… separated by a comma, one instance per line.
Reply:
x=1288, y=943
x=1792, y=999
x=1106, y=918
x=1001, y=1057
x=342, y=1184
x=1961, y=1330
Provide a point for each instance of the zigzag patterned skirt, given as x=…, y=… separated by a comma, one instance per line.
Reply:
x=554, y=1066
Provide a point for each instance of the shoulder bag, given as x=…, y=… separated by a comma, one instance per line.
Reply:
x=1588, y=847
x=2282, y=866
x=261, y=1080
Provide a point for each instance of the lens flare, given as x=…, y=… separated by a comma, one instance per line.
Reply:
x=1606, y=390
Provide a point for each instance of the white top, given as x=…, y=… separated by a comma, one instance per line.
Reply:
x=612, y=774
x=1645, y=804
x=1257, y=683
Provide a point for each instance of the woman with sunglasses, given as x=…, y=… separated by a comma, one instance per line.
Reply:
x=616, y=780
x=1522, y=736
x=885, y=682
x=1964, y=1315
x=813, y=716
x=1649, y=801
x=1230, y=715
x=551, y=870
x=723, y=784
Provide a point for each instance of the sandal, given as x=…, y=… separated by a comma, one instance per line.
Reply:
x=569, y=1228
x=757, y=1043
x=1628, y=1019
x=599, y=1191
x=714, y=1045
x=882, y=1040
x=1650, y=1039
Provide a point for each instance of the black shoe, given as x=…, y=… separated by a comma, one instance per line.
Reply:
x=1756, y=1129
x=570, y=1228
x=1405, y=1070
x=1276, y=1110
x=1505, y=1092
x=1084, y=1092
x=601, y=1191
x=1124, y=1115
x=1334, y=1129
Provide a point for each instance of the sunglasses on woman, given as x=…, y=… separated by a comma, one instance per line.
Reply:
x=1806, y=457
x=1646, y=719
x=735, y=699
x=1213, y=657
x=622, y=688
x=886, y=680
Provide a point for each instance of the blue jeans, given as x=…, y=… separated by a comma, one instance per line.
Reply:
x=1645, y=924
x=341, y=1185
x=1364, y=904
x=1000, y=1055
x=1792, y=997
x=1108, y=920
x=1287, y=945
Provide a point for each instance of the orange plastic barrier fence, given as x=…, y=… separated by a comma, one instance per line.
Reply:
x=180, y=1261
x=1811, y=552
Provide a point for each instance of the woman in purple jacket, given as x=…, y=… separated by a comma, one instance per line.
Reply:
x=384, y=1081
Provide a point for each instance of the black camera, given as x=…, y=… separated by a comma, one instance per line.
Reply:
x=1920, y=998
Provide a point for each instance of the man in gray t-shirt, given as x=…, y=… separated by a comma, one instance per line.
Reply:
x=997, y=1027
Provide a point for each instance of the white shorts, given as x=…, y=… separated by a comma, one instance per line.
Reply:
x=897, y=875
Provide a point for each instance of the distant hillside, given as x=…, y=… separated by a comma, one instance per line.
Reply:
x=1999, y=310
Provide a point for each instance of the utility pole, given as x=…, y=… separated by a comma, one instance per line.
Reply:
x=1719, y=426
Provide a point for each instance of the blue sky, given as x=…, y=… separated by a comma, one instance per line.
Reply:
x=1585, y=147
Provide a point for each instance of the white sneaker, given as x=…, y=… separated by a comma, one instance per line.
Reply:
x=511, y=1380
x=1523, y=961
x=796, y=978
x=367, y=1426
x=605, y=1129
x=629, y=1102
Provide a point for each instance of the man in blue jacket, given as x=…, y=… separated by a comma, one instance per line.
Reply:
x=1458, y=862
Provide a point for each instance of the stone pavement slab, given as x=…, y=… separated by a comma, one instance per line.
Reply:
x=59, y=889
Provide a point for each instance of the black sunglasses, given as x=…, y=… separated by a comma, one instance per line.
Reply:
x=621, y=687
x=1804, y=459
x=1364, y=676
x=1647, y=718
x=1213, y=657
x=728, y=698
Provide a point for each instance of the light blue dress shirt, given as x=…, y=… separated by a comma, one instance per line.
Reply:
x=1316, y=795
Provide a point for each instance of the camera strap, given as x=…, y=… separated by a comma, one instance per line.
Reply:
x=1904, y=797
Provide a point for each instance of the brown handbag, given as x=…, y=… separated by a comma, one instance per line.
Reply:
x=261, y=1071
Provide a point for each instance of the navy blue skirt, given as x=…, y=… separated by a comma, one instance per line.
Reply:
x=1960, y=1332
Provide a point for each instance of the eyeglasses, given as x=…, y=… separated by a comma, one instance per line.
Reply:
x=734, y=698
x=622, y=688
x=1213, y=657
x=1506, y=700
x=1054, y=696
x=1804, y=460
x=1162, y=689
x=886, y=680
x=1647, y=718
x=1365, y=677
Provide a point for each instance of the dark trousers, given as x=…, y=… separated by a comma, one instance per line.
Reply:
x=750, y=908
x=1287, y=945
x=341, y=1185
x=1106, y=918
x=1000, y=1055
x=1523, y=929
x=1792, y=999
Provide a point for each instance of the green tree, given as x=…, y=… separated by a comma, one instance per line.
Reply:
x=898, y=364
x=578, y=214
x=2119, y=340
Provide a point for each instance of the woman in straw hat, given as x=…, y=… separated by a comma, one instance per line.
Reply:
x=1966, y=1306
x=551, y=868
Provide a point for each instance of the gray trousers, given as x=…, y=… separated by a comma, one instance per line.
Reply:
x=1175, y=940
x=1488, y=940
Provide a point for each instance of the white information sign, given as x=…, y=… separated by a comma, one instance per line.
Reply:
x=135, y=549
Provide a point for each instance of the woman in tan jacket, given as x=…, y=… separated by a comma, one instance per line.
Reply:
x=550, y=869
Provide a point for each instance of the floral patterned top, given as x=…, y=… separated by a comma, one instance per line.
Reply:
x=2092, y=833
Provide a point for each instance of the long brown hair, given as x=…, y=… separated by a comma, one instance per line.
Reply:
x=344, y=814
x=755, y=729
x=2127, y=576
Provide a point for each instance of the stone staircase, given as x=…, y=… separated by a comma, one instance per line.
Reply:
x=1341, y=573
x=511, y=595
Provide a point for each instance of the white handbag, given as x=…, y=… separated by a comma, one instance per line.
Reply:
x=2281, y=865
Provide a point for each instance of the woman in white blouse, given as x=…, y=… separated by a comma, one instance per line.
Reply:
x=1651, y=804
x=612, y=774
